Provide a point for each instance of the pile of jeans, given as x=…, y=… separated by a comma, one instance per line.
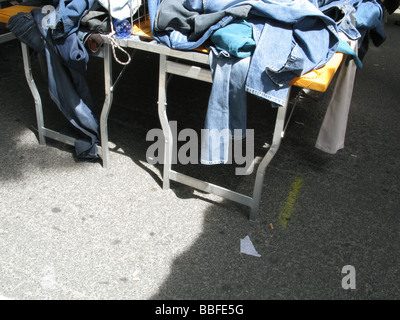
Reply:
x=288, y=39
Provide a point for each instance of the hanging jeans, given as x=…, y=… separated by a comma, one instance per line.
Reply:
x=67, y=85
x=226, y=113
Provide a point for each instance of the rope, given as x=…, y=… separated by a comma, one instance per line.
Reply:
x=114, y=45
x=113, y=42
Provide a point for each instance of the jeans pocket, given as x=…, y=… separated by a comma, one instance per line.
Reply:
x=23, y=26
x=19, y=23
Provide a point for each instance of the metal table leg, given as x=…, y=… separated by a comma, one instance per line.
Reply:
x=32, y=86
x=105, y=153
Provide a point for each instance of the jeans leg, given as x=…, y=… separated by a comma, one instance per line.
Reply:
x=215, y=136
x=226, y=108
x=238, y=97
x=68, y=89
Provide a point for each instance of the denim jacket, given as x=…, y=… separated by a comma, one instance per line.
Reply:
x=292, y=38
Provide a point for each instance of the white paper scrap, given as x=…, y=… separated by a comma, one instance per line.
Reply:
x=246, y=246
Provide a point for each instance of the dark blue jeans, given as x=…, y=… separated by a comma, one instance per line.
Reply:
x=67, y=84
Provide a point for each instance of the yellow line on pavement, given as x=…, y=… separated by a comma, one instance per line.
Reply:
x=287, y=210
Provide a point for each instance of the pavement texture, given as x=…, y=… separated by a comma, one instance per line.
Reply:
x=74, y=230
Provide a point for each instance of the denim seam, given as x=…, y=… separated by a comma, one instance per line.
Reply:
x=265, y=95
x=213, y=161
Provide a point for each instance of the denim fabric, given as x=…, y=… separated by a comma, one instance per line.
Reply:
x=23, y=26
x=67, y=86
x=227, y=111
x=369, y=18
x=356, y=17
x=73, y=52
x=288, y=50
x=294, y=38
x=68, y=16
x=236, y=38
x=344, y=16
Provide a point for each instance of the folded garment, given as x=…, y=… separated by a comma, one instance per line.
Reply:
x=236, y=38
x=73, y=52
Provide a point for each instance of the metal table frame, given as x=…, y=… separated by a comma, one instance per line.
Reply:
x=198, y=68
x=191, y=64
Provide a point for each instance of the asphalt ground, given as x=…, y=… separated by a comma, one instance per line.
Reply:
x=74, y=230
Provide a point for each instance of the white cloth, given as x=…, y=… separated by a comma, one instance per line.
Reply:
x=121, y=9
x=333, y=130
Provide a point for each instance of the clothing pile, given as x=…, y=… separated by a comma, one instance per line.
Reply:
x=258, y=47
x=59, y=30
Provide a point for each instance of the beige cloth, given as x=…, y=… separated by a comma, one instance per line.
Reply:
x=333, y=130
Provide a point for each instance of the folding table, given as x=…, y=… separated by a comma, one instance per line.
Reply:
x=192, y=64
x=195, y=64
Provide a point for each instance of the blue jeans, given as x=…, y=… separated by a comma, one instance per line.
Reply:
x=67, y=85
x=23, y=26
x=358, y=19
x=298, y=38
x=227, y=108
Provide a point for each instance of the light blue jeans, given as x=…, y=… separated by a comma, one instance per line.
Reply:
x=227, y=108
x=298, y=38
